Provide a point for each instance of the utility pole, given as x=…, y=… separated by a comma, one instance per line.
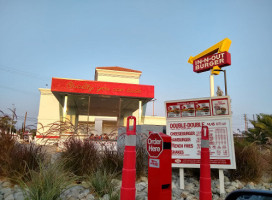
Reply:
x=25, y=123
x=246, y=127
x=13, y=115
x=153, y=105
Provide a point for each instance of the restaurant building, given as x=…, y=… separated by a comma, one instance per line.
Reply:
x=91, y=108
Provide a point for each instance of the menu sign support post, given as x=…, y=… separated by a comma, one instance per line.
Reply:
x=220, y=172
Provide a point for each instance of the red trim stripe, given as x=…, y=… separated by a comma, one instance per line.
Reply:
x=197, y=161
x=47, y=136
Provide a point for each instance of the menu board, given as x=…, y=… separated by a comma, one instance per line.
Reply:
x=220, y=106
x=173, y=110
x=187, y=109
x=203, y=108
x=185, y=126
x=198, y=108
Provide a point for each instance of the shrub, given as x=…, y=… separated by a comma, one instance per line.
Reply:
x=81, y=156
x=6, y=145
x=29, y=157
x=141, y=161
x=249, y=162
x=47, y=183
x=111, y=161
x=18, y=159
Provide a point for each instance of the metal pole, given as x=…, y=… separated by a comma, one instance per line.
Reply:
x=25, y=121
x=153, y=107
x=89, y=102
x=211, y=85
x=225, y=79
x=221, y=172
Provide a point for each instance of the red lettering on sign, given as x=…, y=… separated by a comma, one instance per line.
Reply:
x=154, y=145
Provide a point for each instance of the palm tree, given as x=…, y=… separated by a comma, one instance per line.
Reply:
x=262, y=129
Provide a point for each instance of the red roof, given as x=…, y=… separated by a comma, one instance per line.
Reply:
x=116, y=68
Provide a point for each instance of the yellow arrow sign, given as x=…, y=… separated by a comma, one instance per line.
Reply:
x=220, y=47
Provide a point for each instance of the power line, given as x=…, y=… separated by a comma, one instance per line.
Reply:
x=17, y=90
x=21, y=72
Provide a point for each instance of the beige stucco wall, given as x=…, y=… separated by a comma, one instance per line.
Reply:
x=117, y=76
x=154, y=120
x=48, y=110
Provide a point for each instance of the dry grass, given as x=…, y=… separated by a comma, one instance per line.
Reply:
x=82, y=156
x=6, y=145
x=141, y=162
x=250, y=162
x=111, y=161
x=18, y=159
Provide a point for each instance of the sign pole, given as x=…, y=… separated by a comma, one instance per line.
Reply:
x=211, y=84
x=225, y=80
x=221, y=172
x=181, y=178
x=221, y=182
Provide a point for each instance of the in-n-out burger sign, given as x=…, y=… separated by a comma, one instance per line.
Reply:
x=206, y=63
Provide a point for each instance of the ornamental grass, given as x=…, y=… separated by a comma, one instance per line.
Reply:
x=48, y=182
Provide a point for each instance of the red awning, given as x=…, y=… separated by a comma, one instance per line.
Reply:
x=102, y=88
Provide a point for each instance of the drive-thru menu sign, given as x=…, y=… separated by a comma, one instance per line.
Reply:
x=184, y=121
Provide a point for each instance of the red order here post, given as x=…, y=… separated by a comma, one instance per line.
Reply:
x=205, y=190
x=159, y=166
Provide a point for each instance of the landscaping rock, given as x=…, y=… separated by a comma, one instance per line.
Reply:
x=117, y=183
x=141, y=196
x=141, y=186
x=6, y=184
x=106, y=197
x=191, y=192
x=19, y=196
x=9, y=197
x=6, y=191
x=84, y=193
x=90, y=197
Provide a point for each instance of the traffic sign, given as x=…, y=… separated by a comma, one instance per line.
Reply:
x=154, y=145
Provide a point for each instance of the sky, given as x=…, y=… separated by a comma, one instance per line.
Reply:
x=69, y=38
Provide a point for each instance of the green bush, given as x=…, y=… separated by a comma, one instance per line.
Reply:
x=249, y=162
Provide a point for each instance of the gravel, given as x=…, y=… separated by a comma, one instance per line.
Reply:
x=191, y=191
